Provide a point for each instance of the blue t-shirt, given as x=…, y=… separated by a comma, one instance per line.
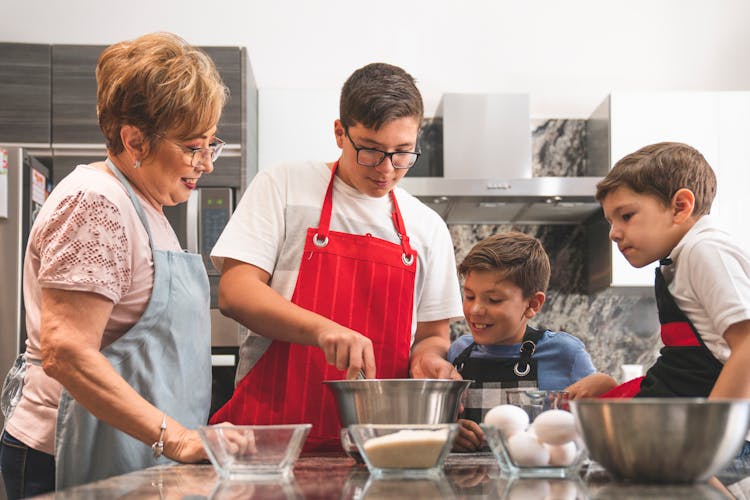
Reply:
x=561, y=358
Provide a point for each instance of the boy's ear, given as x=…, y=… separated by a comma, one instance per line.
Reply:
x=535, y=304
x=338, y=131
x=683, y=204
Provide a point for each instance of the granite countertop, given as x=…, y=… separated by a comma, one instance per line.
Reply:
x=467, y=476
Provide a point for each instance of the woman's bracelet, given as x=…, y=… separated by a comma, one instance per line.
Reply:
x=158, y=446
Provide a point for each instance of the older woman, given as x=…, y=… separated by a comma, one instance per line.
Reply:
x=117, y=361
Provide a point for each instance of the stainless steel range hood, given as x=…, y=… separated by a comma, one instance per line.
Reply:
x=538, y=200
x=487, y=172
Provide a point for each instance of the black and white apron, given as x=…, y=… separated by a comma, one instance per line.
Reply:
x=493, y=375
x=686, y=367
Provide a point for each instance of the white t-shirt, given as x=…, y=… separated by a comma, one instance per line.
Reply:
x=87, y=237
x=710, y=282
x=269, y=226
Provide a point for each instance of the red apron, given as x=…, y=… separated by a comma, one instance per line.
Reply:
x=361, y=282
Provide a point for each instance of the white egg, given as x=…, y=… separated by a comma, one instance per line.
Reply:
x=562, y=454
x=526, y=451
x=555, y=427
x=510, y=419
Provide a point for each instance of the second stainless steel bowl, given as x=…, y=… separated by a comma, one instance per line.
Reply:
x=655, y=440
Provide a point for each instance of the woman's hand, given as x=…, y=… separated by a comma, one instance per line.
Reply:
x=470, y=436
x=183, y=445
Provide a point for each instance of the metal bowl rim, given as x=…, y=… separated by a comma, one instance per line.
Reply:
x=656, y=401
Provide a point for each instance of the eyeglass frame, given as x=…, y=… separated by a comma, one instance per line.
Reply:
x=384, y=153
x=215, y=151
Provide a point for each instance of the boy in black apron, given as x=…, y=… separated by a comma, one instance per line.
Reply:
x=505, y=279
x=657, y=201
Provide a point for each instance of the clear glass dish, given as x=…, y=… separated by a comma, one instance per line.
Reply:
x=254, y=452
x=498, y=443
x=402, y=450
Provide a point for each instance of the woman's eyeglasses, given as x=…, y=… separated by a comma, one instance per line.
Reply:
x=200, y=156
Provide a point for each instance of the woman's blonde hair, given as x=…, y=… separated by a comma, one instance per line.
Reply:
x=159, y=84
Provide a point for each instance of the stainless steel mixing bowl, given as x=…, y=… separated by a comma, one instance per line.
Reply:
x=662, y=440
x=398, y=401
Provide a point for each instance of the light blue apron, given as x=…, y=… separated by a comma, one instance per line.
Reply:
x=165, y=357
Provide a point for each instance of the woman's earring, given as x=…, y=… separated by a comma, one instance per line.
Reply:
x=137, y=164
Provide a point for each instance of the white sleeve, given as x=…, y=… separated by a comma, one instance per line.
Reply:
x=441, y=295
x=255, y=231
x=721, y=283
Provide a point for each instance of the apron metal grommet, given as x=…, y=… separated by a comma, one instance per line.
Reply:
x=522, y=373
x=320, y=243
x=407, y=259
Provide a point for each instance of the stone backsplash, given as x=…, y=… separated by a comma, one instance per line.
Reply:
x=618, y=326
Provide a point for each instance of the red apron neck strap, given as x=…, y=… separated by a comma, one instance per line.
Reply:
x=325, y=215
x=398, y=222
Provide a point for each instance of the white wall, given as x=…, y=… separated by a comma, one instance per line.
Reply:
x=567, y=54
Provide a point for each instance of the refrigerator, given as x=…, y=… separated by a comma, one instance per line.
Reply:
x=24, y=186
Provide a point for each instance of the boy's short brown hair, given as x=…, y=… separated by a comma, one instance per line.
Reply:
x=159, y=84
x=377, y=94
x=662, y=169
x=521, y=257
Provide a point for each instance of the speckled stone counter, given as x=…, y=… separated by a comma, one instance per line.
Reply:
x=467, y=476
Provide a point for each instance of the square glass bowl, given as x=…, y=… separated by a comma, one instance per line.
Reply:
x=576, y=457
x=403, y=450
x=550, y=449
x=254, y=452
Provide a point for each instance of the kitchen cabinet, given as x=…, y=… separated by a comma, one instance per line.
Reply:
x=715, y=123
x=296, y=124
x=76, y=136
x=25, y=93
x=228, y=61
x=74, y=119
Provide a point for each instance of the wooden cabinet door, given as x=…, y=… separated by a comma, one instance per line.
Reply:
x=24, y=93
x=229, y=64
x=74, y=118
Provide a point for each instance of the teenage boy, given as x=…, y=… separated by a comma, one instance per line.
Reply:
x=335, y=269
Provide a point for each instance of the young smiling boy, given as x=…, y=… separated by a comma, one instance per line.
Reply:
x=505, y=279
x=657, y=201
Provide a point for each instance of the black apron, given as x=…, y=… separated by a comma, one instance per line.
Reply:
x=686, y=367
x=492, y=376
